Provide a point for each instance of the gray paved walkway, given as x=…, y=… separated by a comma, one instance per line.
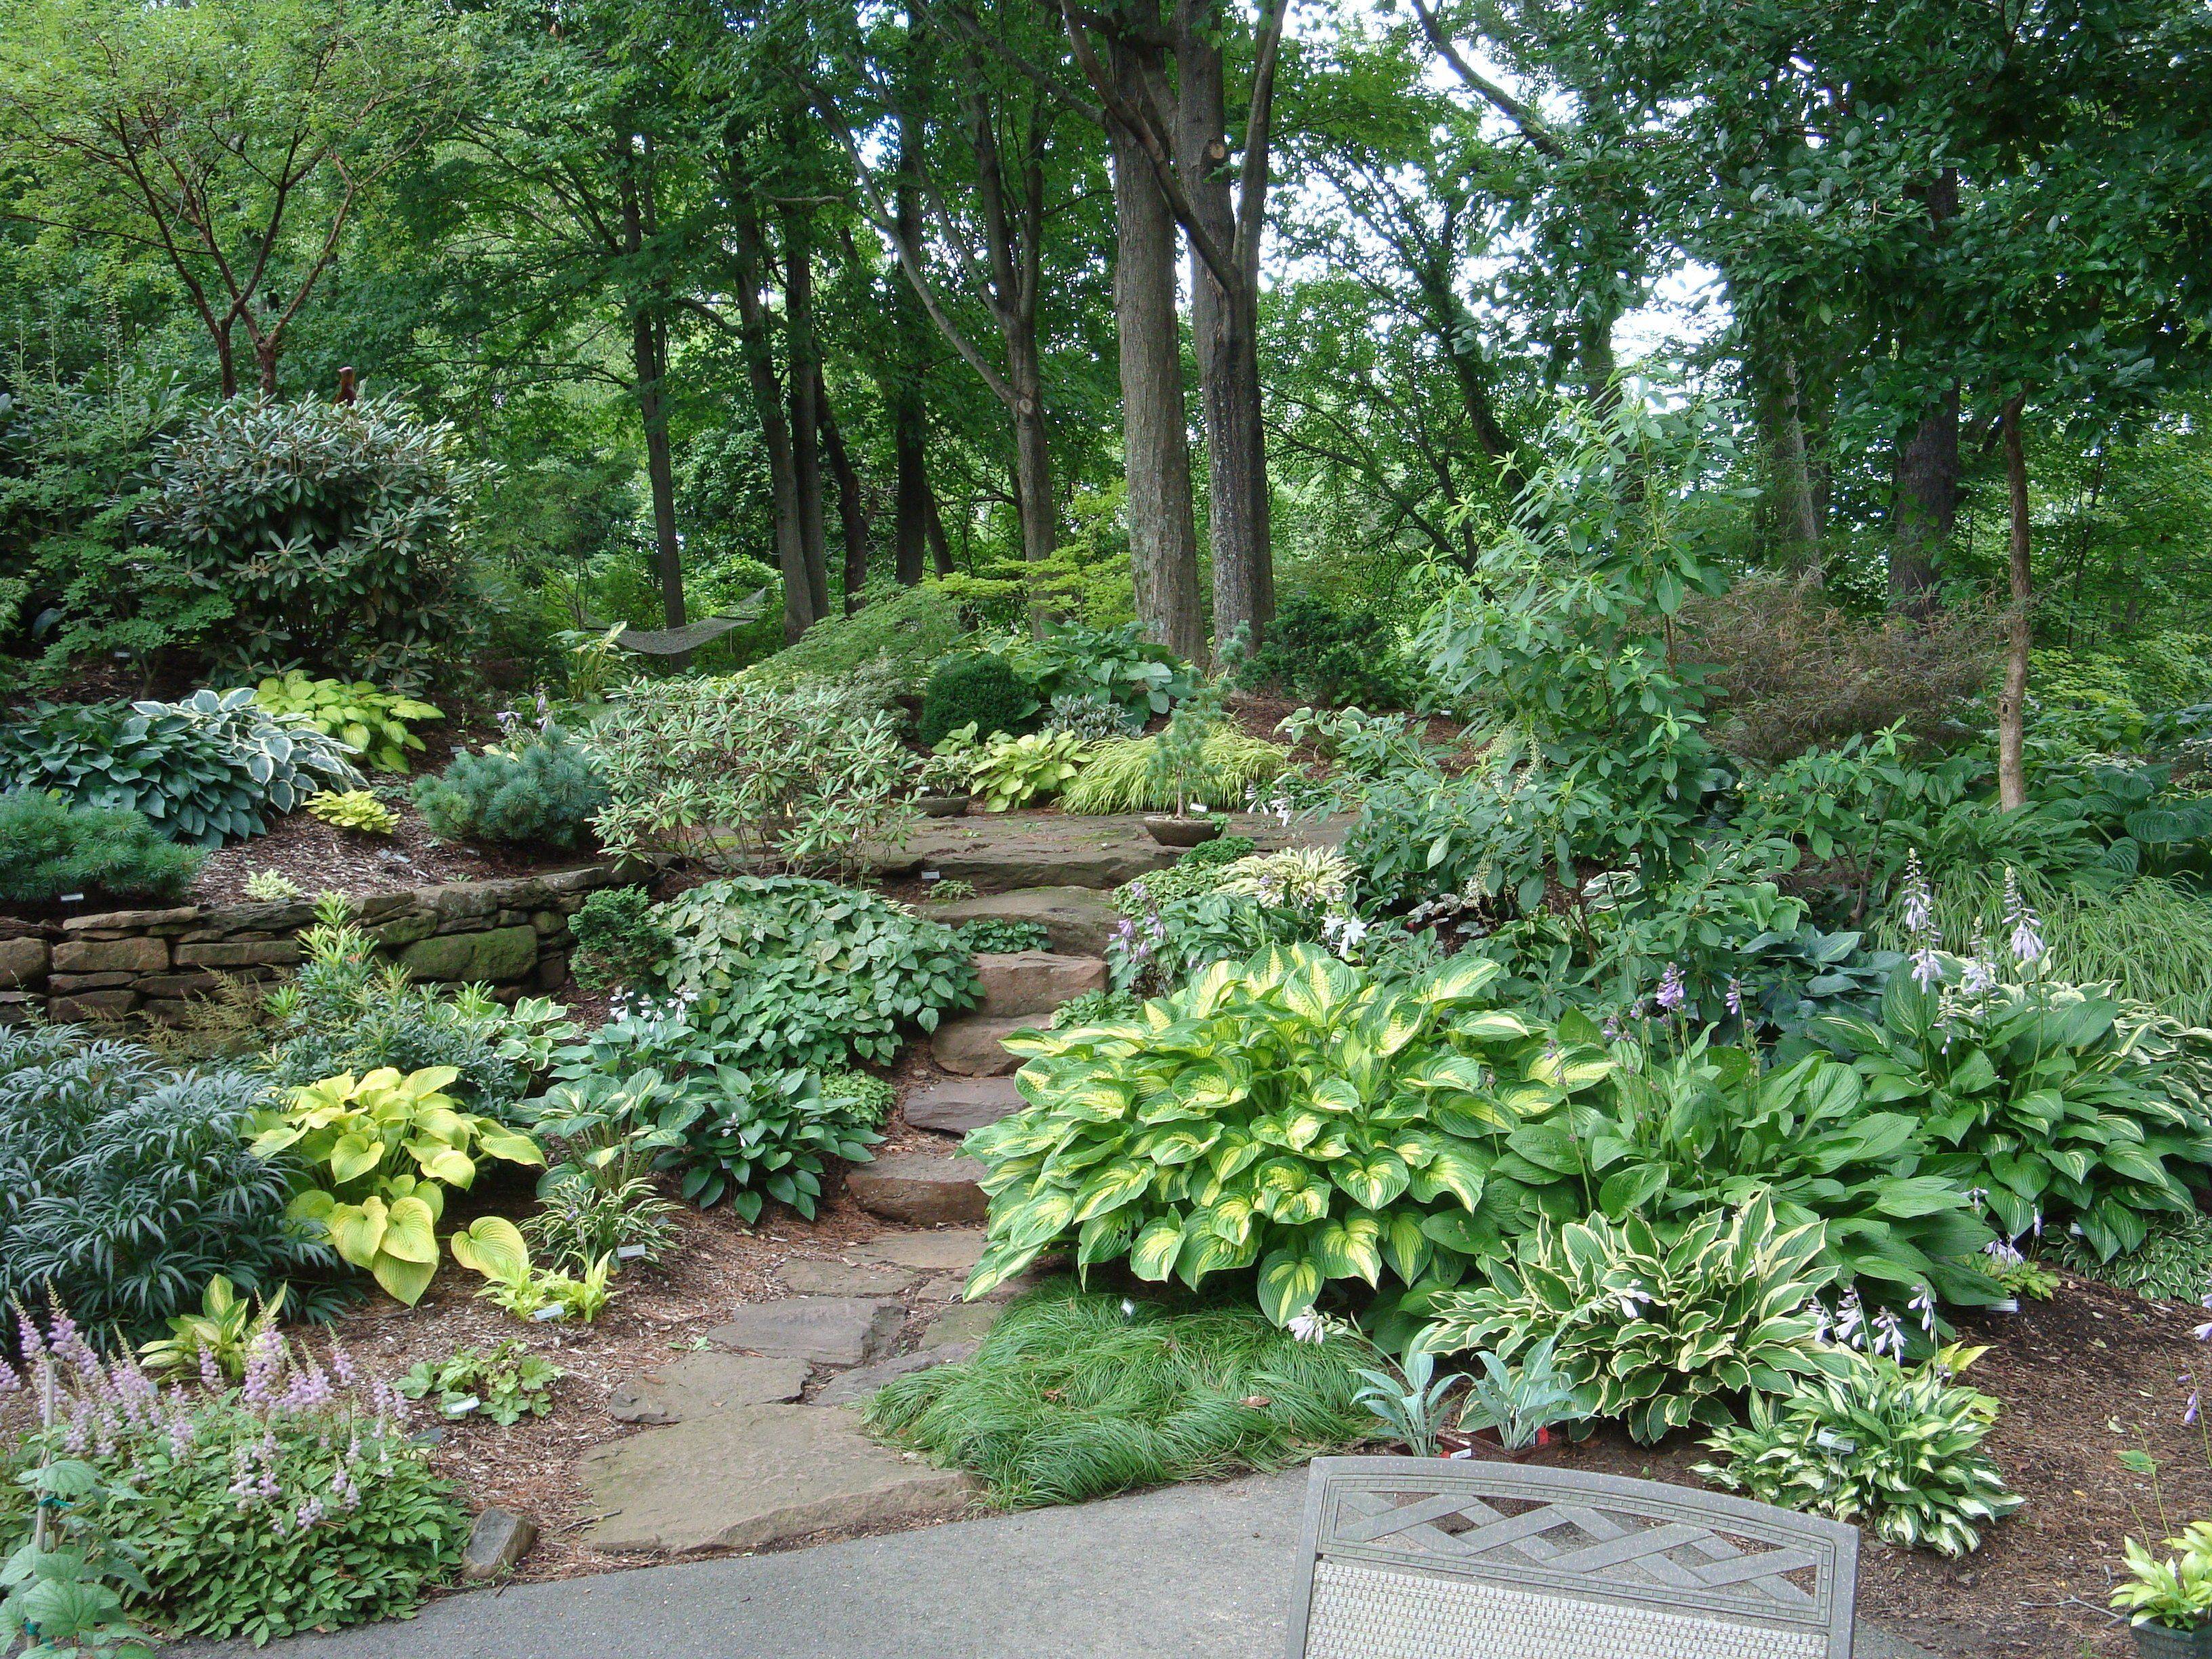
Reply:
x=1190, y=1572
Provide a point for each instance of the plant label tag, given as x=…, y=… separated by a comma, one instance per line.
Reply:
x=545, y=1315
x=628, y=1252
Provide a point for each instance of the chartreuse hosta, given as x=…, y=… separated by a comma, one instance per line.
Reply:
x=385, y=1148
x=1288, y=1112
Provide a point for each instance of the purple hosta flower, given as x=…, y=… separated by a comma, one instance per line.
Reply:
x=2002, y=1252
x=1735, y=998
x=1612, y=1032
x=1850, y=1320
x=1917, y=908
x=1671, y=994
x=1310, y=1327
x=1975, y=1196
x=1979, y=978
x=1632, y=1304
x=1888, y=1336
x=1927, y=967
x=1924, y=1303
x=1824, y=1329
x=2035, y=1226
x=2027, y=941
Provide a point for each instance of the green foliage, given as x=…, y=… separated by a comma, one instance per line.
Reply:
x=1073, y=1396
x=1297, y=896
x=882, y=651
x=223, y=1332
x=673, y=1084
x=977, y=689
x=1896, y=1451
x=1198, y=871
x=1410, y=1401
x=599, y=1201
x=341, y=1011
x=2042, y=1098
x=1656, y=1334
x=1092, y=717
x=126, y=1185
x=340, y=1520
x=504, y=1386
x=84, y=582
x=539, y=1293
x=1097, y=1008
x=1289, y=1115
x=1008, y=772
x=206, y=770
x=60, y=1602
x=332, y=528
x=272, y=887
x=383, y=1149
x=793, y=972
x=723, y=772
x=1318, y=653
x=1122, y=777
x=373, y=722
x=541, y=789
x=353, y=809
x=1517, y=1403
x=48, y=847
x=2173, y=1261
x=618, y=938
x=1114, y=664
x=990, y=935
x=1558, y=648
x=868, y=1099
x=2175, y=1592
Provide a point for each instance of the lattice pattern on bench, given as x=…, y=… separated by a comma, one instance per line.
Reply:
x=1436, y=1560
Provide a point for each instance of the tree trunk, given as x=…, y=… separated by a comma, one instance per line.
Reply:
x=2012, y=702
x=1225, y=328
x=910, y=331
x=1924, y=489
x=851, y=519
x=1034, y=496
x=1163, y=539
x=1795, y=516
x=940, y=546
x=759, y=352
x=649, y=351
x=805, y=381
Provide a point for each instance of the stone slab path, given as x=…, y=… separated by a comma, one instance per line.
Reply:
x=1189, y=1572
x=1000, y=852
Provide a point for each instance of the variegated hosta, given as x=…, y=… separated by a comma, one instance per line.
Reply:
x=1659, y=1335
x=388, y=1146
x=1289, y=1114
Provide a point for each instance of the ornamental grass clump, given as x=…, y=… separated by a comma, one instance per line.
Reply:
x=294, y=1501
x=1075, y=1395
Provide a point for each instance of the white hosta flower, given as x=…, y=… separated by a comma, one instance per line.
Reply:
x=1308, y=1327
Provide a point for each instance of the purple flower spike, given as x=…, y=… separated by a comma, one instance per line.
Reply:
x=1671, y=994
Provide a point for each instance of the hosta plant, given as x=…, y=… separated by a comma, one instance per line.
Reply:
x=1707, y=1128
x=222, y=1334
x=373, y=722
x=385, y=1149
x=1009, y=772
x=353, y=809
x=793, y=972
x=2174, y=1591
x=1659, y=1334
x=1896, y=1450
x=1288, y=1114
x=2042, y=1096
x=657, y=1078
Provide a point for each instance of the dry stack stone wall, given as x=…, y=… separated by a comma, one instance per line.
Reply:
x=512, y=933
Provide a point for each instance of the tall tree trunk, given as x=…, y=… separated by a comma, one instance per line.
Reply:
x=757, y=346
x=1924, y=486
x=804, y=381
x=1035, y=500
x=1224, y=326
x=2012, y=702
x=910, y=331
x=649, y=363
x=1794, y=514
x=851, y=519
x=1156, y=455
x=649, y=351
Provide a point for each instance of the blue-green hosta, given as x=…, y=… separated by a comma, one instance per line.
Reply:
x=1898, y=1451
x=2048, y=1099
x=1658, y=1333
x=1290, y=1113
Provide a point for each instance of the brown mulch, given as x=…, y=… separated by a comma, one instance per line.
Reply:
x=320, y=858
x=2089, y=1374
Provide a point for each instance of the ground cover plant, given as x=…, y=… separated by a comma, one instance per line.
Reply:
x=1074, y=1395
x=49, y=849
x=790, y=971
x=126, y=1184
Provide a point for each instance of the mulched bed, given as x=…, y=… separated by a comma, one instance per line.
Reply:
x=2091, y=1373
x=320, y=858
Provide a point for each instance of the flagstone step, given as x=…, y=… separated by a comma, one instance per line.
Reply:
x=972, y=1046
x=919, y=1189
x=1079, y=920
x=1032, y=983
x=957, y=1105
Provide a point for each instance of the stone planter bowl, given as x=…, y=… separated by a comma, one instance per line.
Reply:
x=1183, y=832
x=2157, y=1641
x=943, y=806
